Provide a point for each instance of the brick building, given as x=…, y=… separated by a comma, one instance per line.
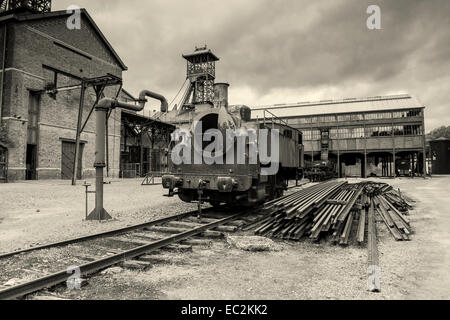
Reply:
x=38, y=52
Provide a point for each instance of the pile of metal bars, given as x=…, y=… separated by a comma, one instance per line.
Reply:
x=335, y=209
x=291, y=216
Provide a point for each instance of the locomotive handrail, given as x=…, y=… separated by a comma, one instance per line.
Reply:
x=281, y=121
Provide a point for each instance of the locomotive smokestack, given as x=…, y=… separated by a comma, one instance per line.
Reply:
x=221, y=95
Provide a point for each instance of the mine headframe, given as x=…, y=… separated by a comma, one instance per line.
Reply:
x=28, y=5
x=201, y=73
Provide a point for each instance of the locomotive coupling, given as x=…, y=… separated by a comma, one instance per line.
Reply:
x=226, y=184
x=171, y=182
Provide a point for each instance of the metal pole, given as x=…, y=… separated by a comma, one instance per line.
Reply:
x=87, y=185
x=78, y=134
x=99, y=213
x=424, y=143
x=107, y=145
x=339, y=163
x=86, y=201
x=365, y=151
x=365, y=164
x=100, y=160
x=393, y=163
x=141, y=150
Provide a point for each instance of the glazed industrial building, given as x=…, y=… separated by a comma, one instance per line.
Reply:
x=363, y=143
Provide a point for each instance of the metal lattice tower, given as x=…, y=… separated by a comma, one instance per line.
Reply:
x=201, y=71
x=34, y=5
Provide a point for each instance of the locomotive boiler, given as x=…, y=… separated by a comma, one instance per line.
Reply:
x=218, y=154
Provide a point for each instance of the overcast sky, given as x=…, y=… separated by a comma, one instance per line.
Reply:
x=285, y=51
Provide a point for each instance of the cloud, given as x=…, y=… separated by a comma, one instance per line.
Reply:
x=281, y=51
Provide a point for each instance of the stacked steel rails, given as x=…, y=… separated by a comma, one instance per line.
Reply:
x=334, y=209
x=131, y=245
x=395, y=197
x=393, y=209
x=290, y=217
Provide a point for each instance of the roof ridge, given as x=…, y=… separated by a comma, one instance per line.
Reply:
x=335, y=101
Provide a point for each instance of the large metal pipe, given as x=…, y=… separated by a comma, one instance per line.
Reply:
x=101, y=110
x=146, y=93
x=109, y=103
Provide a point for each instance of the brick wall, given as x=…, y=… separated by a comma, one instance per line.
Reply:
x=31, y=46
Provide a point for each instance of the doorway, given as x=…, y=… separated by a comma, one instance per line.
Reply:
x=3, y=164
x=67, y=160
x=31, y=162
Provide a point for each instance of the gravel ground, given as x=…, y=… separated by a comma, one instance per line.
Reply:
x=39, y=212
x=416, y=269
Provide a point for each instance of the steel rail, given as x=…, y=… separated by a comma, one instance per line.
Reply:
x=89, y=268
x=321, y=194
x=289, y=198
x=102, y=234
x=299, y=197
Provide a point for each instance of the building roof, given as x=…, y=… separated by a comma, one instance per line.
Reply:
x=141, y=119
x=349, y=105
x=7, y=16
x=201, y=52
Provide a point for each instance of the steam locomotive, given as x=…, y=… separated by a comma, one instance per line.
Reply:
x=235, y=181
x=242, y=172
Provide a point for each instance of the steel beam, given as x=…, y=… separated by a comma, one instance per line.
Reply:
x=78, y=133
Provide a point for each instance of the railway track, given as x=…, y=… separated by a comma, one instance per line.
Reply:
x=93, y=253
x=90, y=254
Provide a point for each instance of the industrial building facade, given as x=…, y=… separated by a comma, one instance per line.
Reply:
x=143, y=145
x=44, y=65
x=40, y=53
x=361, y=136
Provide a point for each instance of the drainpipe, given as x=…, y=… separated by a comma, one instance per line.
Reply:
x=102, y=108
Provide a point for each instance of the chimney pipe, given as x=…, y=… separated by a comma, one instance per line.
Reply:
x=221, y=95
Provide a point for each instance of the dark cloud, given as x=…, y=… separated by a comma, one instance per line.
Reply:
x=275, y=51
